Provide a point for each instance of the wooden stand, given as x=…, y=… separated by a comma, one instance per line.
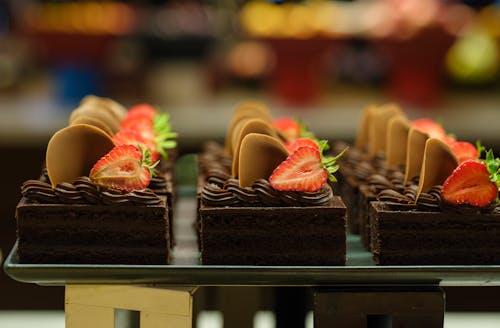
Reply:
x=94, y=305
x=406, y=307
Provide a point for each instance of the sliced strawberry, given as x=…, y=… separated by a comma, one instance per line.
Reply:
x=128, y=137
x=470, y=184
x=306, y=169
x=301, y=171
x=137, y=122
x=142, y=110
x=429, y=126
x=301, y=142
x=464, y=151
x=124, y=168
x=288, y=127
x=449, y=139
x=135, y=138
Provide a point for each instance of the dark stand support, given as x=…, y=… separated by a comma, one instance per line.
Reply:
x=402, y=307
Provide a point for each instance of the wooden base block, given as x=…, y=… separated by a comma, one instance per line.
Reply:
x=94, y=305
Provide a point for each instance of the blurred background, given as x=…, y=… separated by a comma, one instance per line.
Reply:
x=322, y=61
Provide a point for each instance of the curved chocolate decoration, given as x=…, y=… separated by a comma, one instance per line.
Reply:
x=254, y=125
x=73, y=151
x=245, y=110
x=97, y=113
x=364, y=122
x=114, y=108
x=397, y=141
x=260, y=154
x=377, y=130
x=92, y=121
x=415, y=153
x=438, y=164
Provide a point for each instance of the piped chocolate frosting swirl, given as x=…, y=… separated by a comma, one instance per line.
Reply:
x=404, y=199
x=221, y=190
x=83, y=191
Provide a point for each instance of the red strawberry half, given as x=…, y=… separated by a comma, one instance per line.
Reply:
x=306, y=169
x=301, y=171
x=301, y=142
x=429, y=126
x=470, y=184
x=137, y=123
x=135, y=138
x=288, y=127
x=464, y=151
x=124, y=168
x=128, y=137
x=142, y=110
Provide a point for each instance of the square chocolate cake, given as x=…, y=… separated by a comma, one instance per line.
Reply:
x=264, y=197
x=105, y=197
x=423, y=237
x=260, y=226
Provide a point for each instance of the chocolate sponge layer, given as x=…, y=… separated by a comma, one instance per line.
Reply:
x=274, y=235
x=93, y=234
x=446, y=238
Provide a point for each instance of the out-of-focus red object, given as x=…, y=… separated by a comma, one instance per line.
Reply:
x=75, y=31
x=417, y=65
x=299, y=72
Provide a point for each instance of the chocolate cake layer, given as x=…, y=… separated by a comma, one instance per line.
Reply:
x=313, y=235
x=93, y=234
x=85, y=254
x=414, y=237
x=365, y=196
x=349, y=191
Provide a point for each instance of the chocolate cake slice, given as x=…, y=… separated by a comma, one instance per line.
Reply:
x=264, y=199
x=261, y=226
x=82, y=223
x=423, y=237
x=274, y=235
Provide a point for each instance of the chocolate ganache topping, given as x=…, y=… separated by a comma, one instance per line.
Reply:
x=221, y=190
x=213, y=156
x=83, y=191
x=404, y=199
x=364, y=166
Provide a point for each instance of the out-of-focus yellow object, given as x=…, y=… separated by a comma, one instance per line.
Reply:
x=474, y=58
x=85, y=17
x=489, y=19
x=291, y=20
x=262, y=19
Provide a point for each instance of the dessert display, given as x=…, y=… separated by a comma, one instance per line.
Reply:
x=389, y=150
x=264, y=197
x=363, y=159
x=400, y=162
x=427, y=199
x=105, y=194
x=449, y=217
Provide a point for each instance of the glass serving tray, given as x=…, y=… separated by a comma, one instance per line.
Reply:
x=186, y=270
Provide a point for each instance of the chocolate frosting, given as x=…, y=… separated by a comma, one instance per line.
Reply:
x=214, y=157
x=404, y=199
x=83, y=191
x=222, y=190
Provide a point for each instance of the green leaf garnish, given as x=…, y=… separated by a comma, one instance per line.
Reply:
x=330, y=162
x=165, y=137
x=492, y=163
x=146, y=159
